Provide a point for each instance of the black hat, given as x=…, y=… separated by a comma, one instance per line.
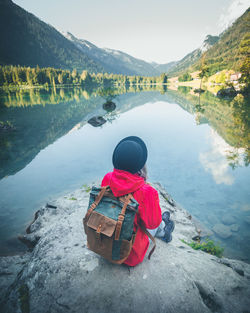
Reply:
x=130, y=154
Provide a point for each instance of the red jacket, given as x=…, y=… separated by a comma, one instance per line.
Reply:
x=122, y=183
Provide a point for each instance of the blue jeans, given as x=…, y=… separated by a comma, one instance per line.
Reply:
x=158, y=231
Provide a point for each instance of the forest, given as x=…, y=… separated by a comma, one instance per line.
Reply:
x=17, y=76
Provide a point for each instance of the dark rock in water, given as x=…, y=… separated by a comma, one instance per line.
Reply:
x=48, y=205
x=199, y=90
x=97, y=121
x=109, y=106
x=4, y=127
x=228, y=219
x=227, y=93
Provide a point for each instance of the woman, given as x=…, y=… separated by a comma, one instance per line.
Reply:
x=129, y=176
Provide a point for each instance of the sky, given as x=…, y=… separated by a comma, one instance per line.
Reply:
x=153, y=30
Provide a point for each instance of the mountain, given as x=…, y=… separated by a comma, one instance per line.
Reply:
x=218, y=52
x=114, y=61
x=164, y=68
x=28, y=41
x=227, y=52
x=190, y=59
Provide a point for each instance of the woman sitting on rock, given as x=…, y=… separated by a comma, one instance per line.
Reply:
x=129, y=176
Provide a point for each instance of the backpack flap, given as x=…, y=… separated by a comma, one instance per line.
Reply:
x=102, y=224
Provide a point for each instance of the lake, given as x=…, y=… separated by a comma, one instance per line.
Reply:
x=198, y=150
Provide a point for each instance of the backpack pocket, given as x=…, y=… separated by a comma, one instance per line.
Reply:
x=100, y=230
x=102, y=224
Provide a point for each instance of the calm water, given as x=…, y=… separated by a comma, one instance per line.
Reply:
x=196, y=150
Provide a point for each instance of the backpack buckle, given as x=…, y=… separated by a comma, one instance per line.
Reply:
x=98, y=232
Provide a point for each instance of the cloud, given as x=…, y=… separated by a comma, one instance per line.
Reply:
x=236, y=9
x=215, y=160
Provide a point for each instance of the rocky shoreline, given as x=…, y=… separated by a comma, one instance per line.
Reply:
x=59, y=273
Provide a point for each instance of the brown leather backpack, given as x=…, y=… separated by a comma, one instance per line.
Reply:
x=109, y=224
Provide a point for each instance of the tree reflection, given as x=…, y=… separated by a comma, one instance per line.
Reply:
x=230, y=118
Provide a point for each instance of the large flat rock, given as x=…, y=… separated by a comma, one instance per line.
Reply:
x=62, y=275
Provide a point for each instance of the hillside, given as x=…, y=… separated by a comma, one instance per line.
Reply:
x=28, y=41
x=218, y=53
x=164, y=68
x=190, y=59
x=226, y=53
x=114, y=61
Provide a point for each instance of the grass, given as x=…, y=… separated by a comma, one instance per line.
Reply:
x=72, y=198
x=86, y=188
x=207, y=246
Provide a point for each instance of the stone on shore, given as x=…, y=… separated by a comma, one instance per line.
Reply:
x=61, y=275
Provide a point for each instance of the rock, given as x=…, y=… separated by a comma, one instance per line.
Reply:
x=234, y=227
x=30, y=241
x=6, y=127
x=109, y=106
x=227, y=93
x=247, y=219
x=97, y=121
x=199, y=90
x=62, y=275
x=228, y=219
x=222, y=231
x=48, y=205
x=10, y=266
x=204, y=231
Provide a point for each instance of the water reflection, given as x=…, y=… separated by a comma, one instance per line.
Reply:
x=193, y=160
x=215, y=159
x=230, y=119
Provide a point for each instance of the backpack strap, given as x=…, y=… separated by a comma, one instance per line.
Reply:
x=122, y=216
x=144, y=229
x=96, y=202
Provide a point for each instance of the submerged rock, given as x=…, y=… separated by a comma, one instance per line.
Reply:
x=227, y=93
x=234, y=227
x=199, y=90
x=5, y=127
x=109, y=106
x=222, y=231
x=97, y=121
x=228, y=219
x=62, y=275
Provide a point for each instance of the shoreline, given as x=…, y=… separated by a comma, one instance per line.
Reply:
x=60, y=274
